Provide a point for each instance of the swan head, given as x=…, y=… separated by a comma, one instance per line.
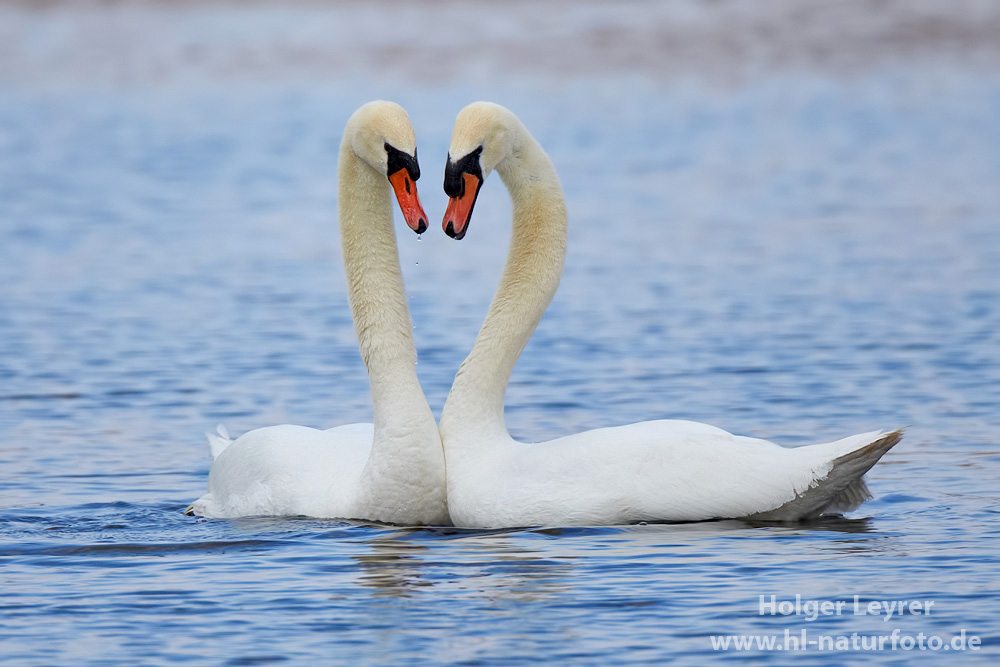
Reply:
x=381, y=135
x=481, y=140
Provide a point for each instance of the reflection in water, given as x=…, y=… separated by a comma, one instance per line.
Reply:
x=394, y=567
x=835, y=523
x=495, y=564
x=512, y=567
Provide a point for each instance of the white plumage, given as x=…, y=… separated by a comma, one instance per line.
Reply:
x=651, y=471
x=390, y=471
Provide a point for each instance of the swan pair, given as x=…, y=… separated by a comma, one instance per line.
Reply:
x=393, y=471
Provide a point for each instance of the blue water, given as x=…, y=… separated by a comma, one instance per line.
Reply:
x=799, y=256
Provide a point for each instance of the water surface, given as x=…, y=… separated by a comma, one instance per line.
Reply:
x=798, y=254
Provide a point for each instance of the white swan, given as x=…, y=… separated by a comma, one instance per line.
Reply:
x=390, y=471
x=652, y=471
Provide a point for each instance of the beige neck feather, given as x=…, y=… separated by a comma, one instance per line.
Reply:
x=529, y=281
x=404, y=425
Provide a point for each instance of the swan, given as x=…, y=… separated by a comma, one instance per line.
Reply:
x=391, y=471
x=654, y=471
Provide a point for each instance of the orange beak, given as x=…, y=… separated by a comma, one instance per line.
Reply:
x=406, y=194
x=459, y=211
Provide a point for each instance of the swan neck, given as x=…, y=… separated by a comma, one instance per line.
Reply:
x=376, y=292
x=530, y=277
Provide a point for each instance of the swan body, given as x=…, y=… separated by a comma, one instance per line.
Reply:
x=392, y=470
x=289, y=470
x=663, y=471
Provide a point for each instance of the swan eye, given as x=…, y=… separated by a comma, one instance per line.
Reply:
x=454, y=183
x=397, y=160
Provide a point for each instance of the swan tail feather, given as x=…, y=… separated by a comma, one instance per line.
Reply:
x=852, y=497
x=218, y=442
x=843, y=487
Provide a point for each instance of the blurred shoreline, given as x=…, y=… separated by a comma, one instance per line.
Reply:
x=155, y=42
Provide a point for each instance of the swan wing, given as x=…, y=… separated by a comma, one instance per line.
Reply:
x=217, y=442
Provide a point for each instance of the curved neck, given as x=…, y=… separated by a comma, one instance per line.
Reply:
x=376, y=293
x=530, y=278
